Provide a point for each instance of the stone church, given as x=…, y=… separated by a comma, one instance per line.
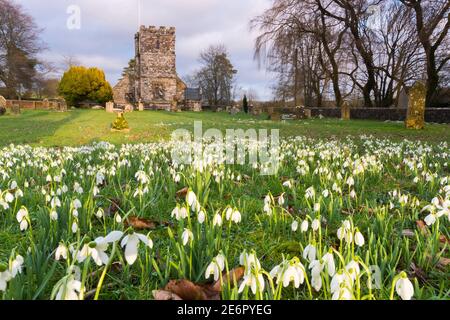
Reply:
x=154, y=83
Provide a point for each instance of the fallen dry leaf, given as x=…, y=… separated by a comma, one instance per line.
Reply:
x=422, y=227
x=141, y=223
x=231, y=277
x=182, y=193
x=186, y=290
x=444, y=262
x=162, y=295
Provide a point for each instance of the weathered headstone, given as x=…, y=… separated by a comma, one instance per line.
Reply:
x=345, y=111
x=110, y=107
x=128, y=108
x=2, y=102
x=415, y=117
x=141, y=106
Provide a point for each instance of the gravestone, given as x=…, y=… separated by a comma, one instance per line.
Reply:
x=345, y=111
x=15, y=109
x=110, y=107
x=128, y=108
x=141, y=106
x=2, y=102
x=415, y=117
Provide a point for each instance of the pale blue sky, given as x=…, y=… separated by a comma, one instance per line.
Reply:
x=106, y=37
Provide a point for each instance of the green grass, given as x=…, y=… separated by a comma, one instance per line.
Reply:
x=80, y=127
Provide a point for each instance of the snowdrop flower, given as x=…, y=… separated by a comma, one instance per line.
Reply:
x=253, y=281
x=74, y=227
x=353, y=194
x=359, y=238
x=15, y=266
x=76, y=204
x=344, y=232
x=191, y=198
x=201, y=217
x=404, y=287
x=100, y=213
x=23, y=218
x=96, y=249
x=118, y=218
x=131, y=243
x=287, y=184
x=326, y=193
x=61, y=252
x=350, y=182
x=249, y=261
x=216, y=267
x=353, y=269
x=305, y=225
x=310, y=193
x=342, y=294
x=339, y=280
x=5, y=276
x=217, y=220
x=53, y=215
x=281, y=200
x=289, y=271
x=69, y=289
x=294, y=226
x=315, y=225
x=317, y=207
x=236, y=216
x=309, y=252
x=328, y=261
x=187, y=236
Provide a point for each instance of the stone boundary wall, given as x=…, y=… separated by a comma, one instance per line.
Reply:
x=437, y=115
x=36, y=105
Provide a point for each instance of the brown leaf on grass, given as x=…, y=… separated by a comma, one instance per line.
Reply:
x=230, y=278
x=421, y=225
x=444, y=262
x=182, y=193
x=141, y=223
x=162, y=295
x=443, y=239
x=186, y=290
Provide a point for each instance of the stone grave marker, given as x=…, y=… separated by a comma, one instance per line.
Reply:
x=345, y=111
x=110, y=107
x=415, y=117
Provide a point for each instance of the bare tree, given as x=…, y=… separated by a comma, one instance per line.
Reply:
x=19, y=46
x=432, y=18
x=216, y=76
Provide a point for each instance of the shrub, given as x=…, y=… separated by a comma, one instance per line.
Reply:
x=120, y=123
x=80, y=84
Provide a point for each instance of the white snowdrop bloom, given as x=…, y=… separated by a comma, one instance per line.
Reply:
x=74, y=227
x=5, y=276
x=191, y=199
x=236, y=216
x=350, y=182
x=294, y=226
x=61, y=252
x=430, y=219
x=316, y=282
x=253, y=281
x=48, y=178
x=305, y=225
x=353, y=194
x=310, y=252
x=249, y=261
x=201, y=217
x=342, y=294
x=287, y=184
x=328, y=262
x=216, y=267
x=404, y=287
x=95, y=191
x=131, y=243
x=176, y=213
x=267, y=209
x=53, y=215
x=281, y=200
x=75, y=213
x=177, y=178
x=217, y=220
x=76, y=204
x=325, y=193
x=339, y=280
x=317, y=207
x=118, y=218
x=315, y=225
x=22, y=218
x=353, y=269
x=310, y=193
x=15, y=266
x=359, y=239
x=100, y=213
x=69, y=290
x=187, y=236
x=228, y=214
x=13, y=185
x=9, y=198
x=55, y=202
